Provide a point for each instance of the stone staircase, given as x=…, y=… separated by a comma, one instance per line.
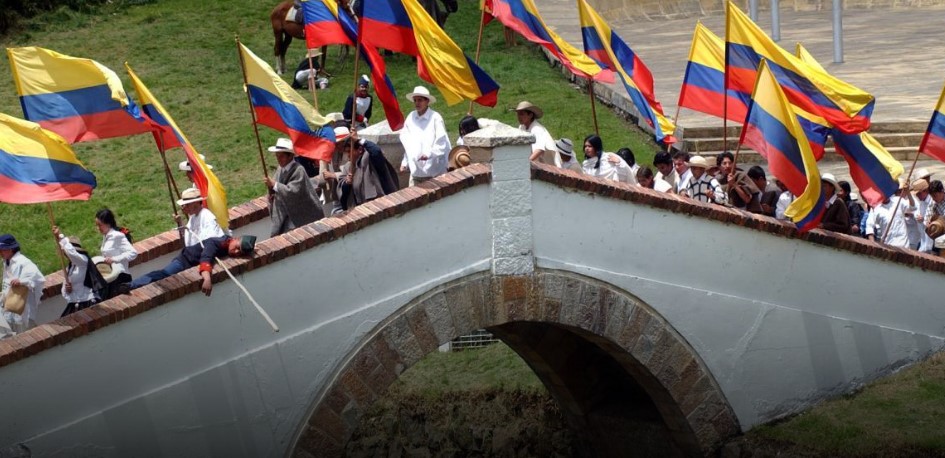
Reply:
x=901, y=139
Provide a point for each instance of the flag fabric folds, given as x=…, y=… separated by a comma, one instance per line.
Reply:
x=37, y=165
x=612, y=53
x=79, y=99
x=933, y=143
x=842, y=105
x=404, y=26
x=165, y=127
x=875, y=172
x=704, y=82
x=522, y=16
x=801, y=52
x=278, y=106
x=326, y=24
x=772, y=129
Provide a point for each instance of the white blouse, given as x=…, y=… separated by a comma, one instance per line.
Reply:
x=116, y=246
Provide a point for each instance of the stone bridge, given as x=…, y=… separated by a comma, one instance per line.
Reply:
x=636, y=310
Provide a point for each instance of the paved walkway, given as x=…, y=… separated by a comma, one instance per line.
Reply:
x=897, y=55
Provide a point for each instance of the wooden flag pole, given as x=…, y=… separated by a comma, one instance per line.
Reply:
x=354, y=106
x=311, y=78
x=482, y=23
x=249, y=100
x=169, y=178
x=669, y=146
x=62, y=261
x=590, y=90
x=899, y=199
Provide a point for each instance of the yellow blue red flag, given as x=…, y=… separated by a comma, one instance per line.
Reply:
x=772, y=130
x=611, y=53
x=522, y=16
x=164, y=126
x=842, y=105
x=404, y=26
x=37, y=165
x=280, y=107
x=933, y=143
x=79, y=99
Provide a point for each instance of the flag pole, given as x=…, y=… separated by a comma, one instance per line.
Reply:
x=899, y=199
x=482, y=23
x=62, y=262
x=311, y=78
x=354, y=105
x=169, y=178
x=590, y=90
x=725, y=85
x=249, y=100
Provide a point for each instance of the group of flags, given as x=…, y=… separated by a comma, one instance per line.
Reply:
x=788, y=102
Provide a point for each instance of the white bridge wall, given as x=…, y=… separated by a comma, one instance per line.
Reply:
x=779, y=322
x=207, y=377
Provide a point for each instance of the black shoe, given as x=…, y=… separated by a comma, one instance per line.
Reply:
x=123, y=288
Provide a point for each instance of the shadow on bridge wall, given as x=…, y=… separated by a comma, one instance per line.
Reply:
x=613, y=364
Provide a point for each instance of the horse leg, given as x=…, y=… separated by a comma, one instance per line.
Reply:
x=286, y=41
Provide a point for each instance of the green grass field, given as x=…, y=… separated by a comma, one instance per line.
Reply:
x=184, y=51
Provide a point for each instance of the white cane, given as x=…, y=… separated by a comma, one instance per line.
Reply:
x=259, y=308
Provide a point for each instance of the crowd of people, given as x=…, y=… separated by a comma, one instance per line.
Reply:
x=303, y=191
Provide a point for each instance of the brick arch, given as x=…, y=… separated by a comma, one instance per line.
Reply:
x=616, y=324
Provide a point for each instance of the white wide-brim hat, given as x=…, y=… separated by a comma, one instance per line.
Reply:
x=189, y=196
x=698, y=161
x=829, y=178
x=421, y=91
x=185, y=165
x=283, y=145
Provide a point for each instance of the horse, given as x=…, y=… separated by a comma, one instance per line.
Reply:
x=284, y=30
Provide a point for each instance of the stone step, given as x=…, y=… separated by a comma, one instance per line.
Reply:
x=889, y=140
x=875, y=129
x=749, y=156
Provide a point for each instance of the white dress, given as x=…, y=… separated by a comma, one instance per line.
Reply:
x=21, y=268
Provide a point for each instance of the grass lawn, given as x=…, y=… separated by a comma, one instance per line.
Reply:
x=184, y=52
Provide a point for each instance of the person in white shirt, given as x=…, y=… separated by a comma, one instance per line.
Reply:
x=528, y=116
x=923, y=199
x=564, y=159
x=887, y=214
x=646, y=179
x=77, y=294
x=608, y=166
x=201, y=223
x=663, y=161
x=426, y=146
x=700, y=185
x=18, y=270
x=784, y=200
x=681, y=167
x=116, y=248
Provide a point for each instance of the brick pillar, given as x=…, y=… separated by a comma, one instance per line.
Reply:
x=511, y=201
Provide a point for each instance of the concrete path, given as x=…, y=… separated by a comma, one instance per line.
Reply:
x=897, y=55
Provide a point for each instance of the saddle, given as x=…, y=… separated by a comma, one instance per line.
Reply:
x=294, y=15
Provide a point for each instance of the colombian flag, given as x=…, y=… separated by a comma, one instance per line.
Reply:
x=704, y=84
x=801, y=52
x=611, y=53
x=772, y=129
x=165, y=127
x=842, y=105
x=37, y=165
x=873, y=169
x=278, y=106
x=704, y=81
x=933, y=143
x=522, y=16
x=326, y=24
x=79, y=99
x=404, y=26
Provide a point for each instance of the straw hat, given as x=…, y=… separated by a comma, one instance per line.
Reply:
x=920, y=185
x=698, y=161
x=527, y=106
x=185, y=165
x=283, y=145
x=189, y=196
x=15, y=300
x=421, y=91
x=314, y=52
x=565, y=146
x=104, y=268
x=459, y=157
x=829, y=178
x=923, y=172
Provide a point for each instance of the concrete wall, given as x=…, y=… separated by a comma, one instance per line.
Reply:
x=207, y=377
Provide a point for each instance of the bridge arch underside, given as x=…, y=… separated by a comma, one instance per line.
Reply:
x=616, y=368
